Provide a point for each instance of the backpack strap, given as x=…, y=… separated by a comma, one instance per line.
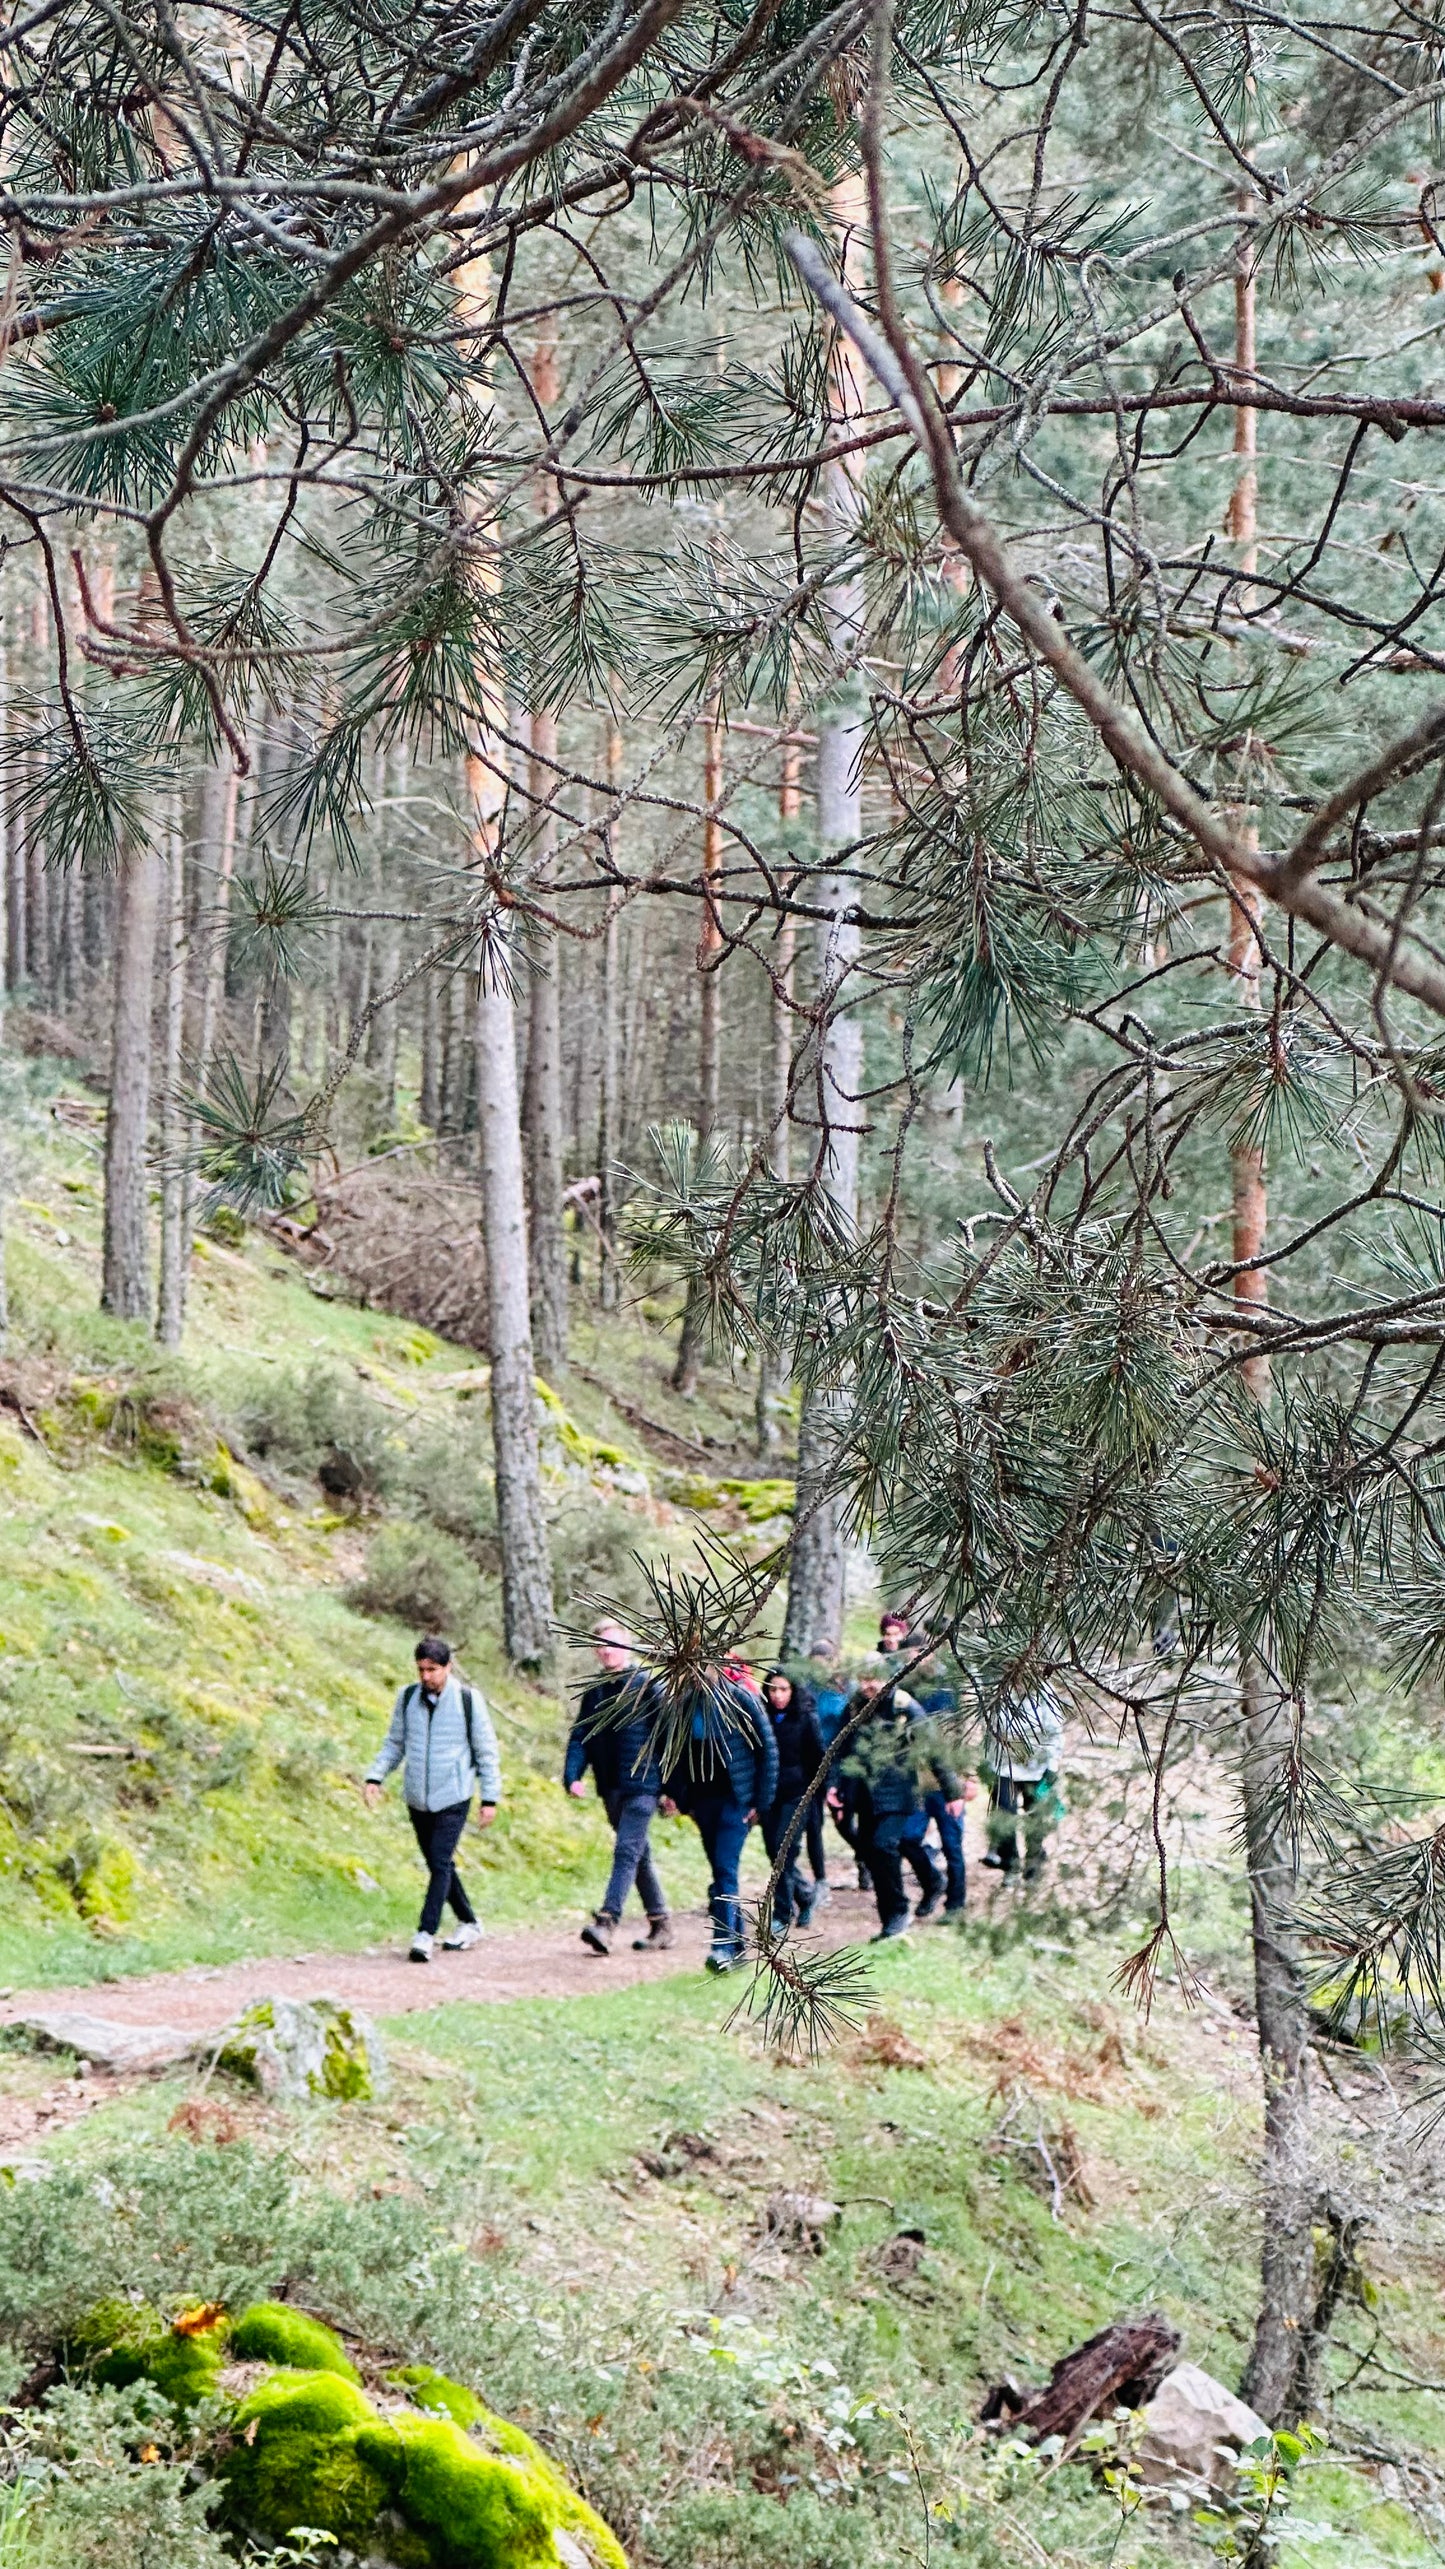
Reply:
x=468, y=1707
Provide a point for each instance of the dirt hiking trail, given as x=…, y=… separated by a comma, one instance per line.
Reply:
x=535, y=1962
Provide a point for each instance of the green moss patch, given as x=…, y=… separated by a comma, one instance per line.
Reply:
x=309, y=2448
x=120, y=2342
x=271, y=2332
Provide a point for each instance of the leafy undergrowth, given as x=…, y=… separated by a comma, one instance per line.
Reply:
x=609, y=2217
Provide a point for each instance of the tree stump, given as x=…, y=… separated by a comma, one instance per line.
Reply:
x=1120, y=2368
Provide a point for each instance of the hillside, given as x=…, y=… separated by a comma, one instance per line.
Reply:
x=186, y=1696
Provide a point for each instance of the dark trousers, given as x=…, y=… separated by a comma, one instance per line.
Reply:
x=885, y=1863
x=950, y=1838
x=1008, y=1803
x=850, y=1830
x=631, y=1815
x=722, y=1825
x=791, y=1895
x=438, y=1834
x=817, y=1853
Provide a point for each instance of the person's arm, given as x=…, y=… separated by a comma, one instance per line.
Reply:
x=391, y=1752
x=579, y=1755
x=765, y=1766
x=487, y=1761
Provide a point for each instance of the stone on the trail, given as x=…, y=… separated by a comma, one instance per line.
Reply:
x=1194, y=2430
x=294, y=2049
x=106, y=2045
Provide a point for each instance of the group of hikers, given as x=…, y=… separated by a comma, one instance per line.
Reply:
x=865, y=1747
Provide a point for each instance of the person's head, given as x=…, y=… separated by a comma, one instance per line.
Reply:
x=871, y=1678
x=893, y=1630
x=433, y=1662
x=613, y=1646
x=778, y=1687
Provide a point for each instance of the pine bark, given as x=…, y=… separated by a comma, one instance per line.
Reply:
x=709, y=1060
x=125, y=1261
x=171, y=1302
x=608, y=1137
x=816, y=1584
x=778, y=1108
x=542, y=1095
x=526, y=1570
x=1276, y=2379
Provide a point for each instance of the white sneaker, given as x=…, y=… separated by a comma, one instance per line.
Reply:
x=421, y=1945
x=464, y=1938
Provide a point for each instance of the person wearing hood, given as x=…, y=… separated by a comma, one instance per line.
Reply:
x=724, y=1776
x=881, y=1786
x=801, y=1755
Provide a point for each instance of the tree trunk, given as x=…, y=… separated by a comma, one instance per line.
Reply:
x=542, y=1094
x=171, y=1304
x=526, y=1571
x=429, y=1096
x=778, y=1109
x=125, y=1281
x=607, y=1132
x=814, y=1624
x=1276, y=2379
x=223, y=835
x=709, y=1062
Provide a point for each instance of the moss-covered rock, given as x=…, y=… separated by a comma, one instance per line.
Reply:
x=120, y=2342
x=309, y=2448
x=271, y=2332
x=435, y=2393
x=294, y=2049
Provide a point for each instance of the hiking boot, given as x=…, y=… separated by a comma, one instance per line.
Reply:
x=462, y=1939
x=952, y=1909
x=898, y=1926
x=658, y=1939
x=421, y=1946
x=821, y=1894
x=993, y=1861
x=929, y=1905
x=599, y=1932
x=724, y=1958
x=865, y=1878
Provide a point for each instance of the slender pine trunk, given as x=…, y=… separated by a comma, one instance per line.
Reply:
x=125, y=1261
x=709, y=1061
x=542, y=1094
x=171, y=1302
x=771, y=1373
x=526, y=1570
x=225, y=825
x=816, y=1585
x=607, y=1133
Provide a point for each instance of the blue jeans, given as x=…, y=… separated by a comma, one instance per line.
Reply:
x=722, y=1825
x=631, y=1815
x=791, y=1893
x=950, y=1838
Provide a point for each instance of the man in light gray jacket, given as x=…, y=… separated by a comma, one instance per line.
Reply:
x=441, y=1736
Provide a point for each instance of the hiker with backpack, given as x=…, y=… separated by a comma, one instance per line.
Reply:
x=724, y=1777
x=881, y=1787
x=441, y=1736
x=615, y=1733
x=911, y=1654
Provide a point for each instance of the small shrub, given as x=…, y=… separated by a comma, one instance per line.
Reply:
x=319, y=1425
x=445, y=1474
x=593, y=1557
x=422, y=1577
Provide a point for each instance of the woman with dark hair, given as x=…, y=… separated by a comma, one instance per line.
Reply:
x=793, y=1718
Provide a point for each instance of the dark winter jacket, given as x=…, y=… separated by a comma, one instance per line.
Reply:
x=615, y=1733
x=730, y=1755
x=893, y=1761
x=799, y=1744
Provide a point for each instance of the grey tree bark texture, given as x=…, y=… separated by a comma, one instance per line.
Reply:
x=171, y=1300
x=709, y=1061
x=542, y=1093
x=526, y=1569
x=814, y=1622
x=608, y=1137
x=125, y=1261
x=1277, y=2375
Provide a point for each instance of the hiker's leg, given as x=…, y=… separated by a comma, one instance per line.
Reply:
x=729, y=1839
x=649, y=1883
x=438, y=1834
x=930, y=1880
x=817, y=1852
x=950, y=1838
x=885, y=1863
x=1003, y=1822
x=1038, y=1810
x=631, y=1817
x=776, y=1824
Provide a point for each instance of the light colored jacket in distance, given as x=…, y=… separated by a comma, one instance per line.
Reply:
x=1026, y=1743
x=432, y=1747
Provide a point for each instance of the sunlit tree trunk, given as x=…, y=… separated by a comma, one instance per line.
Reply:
x=125, y=1260
x=816, y=1583
x=1275, y=2378
x=709, y=954
x=608, y=1136
x=780, y=1077
x=171, y=1304
x=542, y=1095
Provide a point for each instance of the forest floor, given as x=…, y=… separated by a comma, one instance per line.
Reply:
x=578, y=2198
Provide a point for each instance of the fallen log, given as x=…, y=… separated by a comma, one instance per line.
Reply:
x=1120, y=2368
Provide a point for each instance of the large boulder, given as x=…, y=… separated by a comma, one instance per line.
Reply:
x=1194, y=2432
x=296, y=2049
x=105, y=2044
